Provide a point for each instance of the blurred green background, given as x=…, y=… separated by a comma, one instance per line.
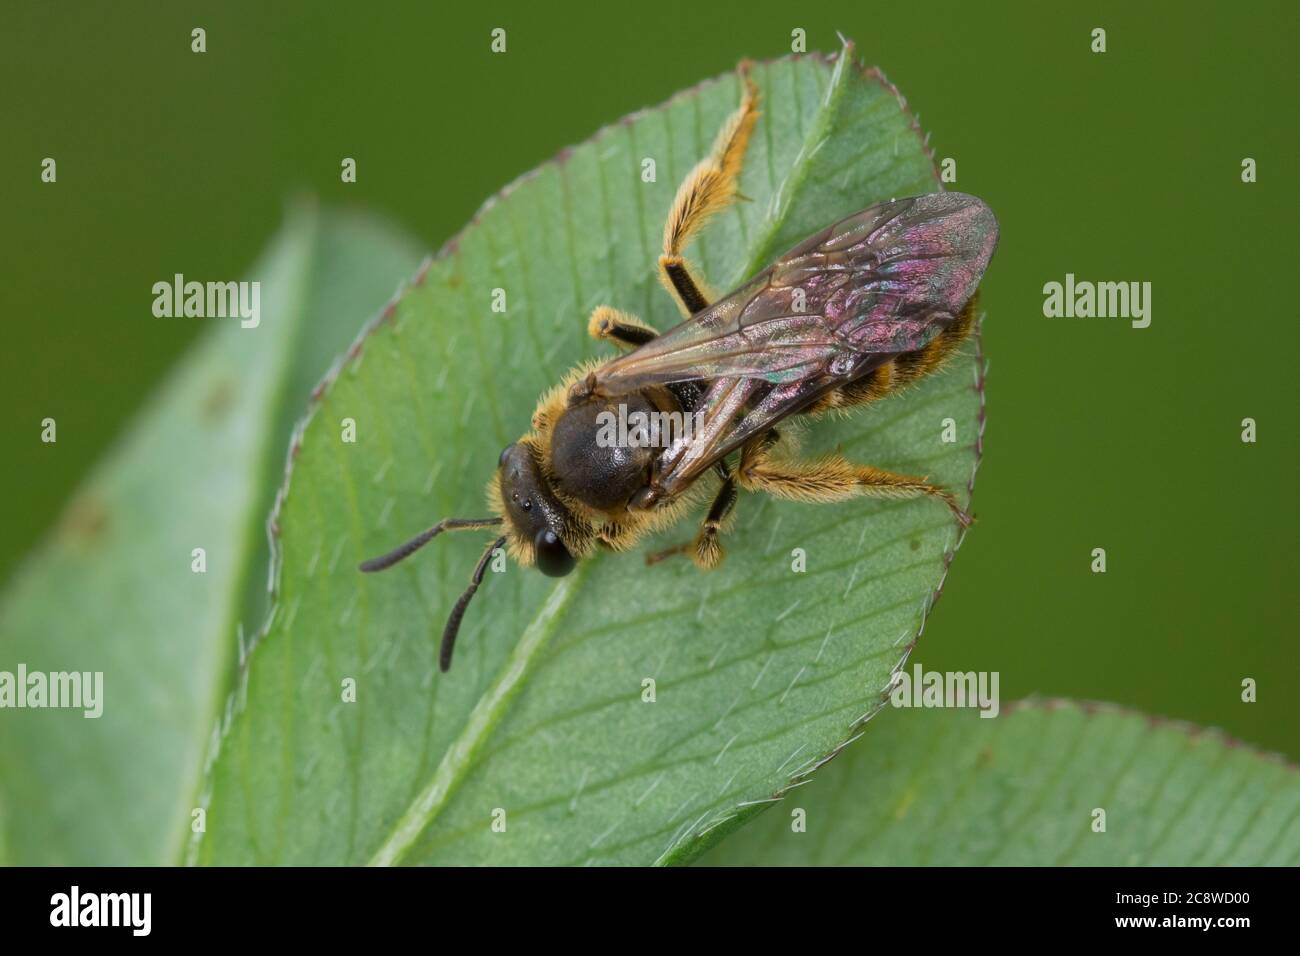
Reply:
x=1119, y=166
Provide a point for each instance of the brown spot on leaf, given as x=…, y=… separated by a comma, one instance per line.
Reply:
x=218, y=400
x=84, y=521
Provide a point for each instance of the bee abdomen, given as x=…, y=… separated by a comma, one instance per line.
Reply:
x=903, y=369
x=875, y=384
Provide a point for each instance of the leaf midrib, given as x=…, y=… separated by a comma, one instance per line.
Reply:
x=491, y=707
x=762, y=251
x=486, y=714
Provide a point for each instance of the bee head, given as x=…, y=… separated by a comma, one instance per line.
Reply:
x=538, y=528
x=537, y=522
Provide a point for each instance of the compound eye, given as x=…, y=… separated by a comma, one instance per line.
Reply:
x=553, y=558
x=505, y=453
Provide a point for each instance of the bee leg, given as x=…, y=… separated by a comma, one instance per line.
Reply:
x=619, y=327
x=656, y=556
x=676, y=275
x=705, y=549
x=708, y=550
x=708, y=189
x=834, y=478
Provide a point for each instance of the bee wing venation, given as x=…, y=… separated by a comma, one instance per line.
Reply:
x=874, y=285
x=880, y=282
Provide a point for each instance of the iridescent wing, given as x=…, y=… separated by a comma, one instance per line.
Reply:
x=877, y=284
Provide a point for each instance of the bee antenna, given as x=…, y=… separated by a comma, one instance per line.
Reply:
x=453, y=621
x=423, y=538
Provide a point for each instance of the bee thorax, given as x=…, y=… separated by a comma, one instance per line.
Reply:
x=590, y=460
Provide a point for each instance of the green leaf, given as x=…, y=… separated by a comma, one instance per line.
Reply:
x=760, y=671
x=112, y=589
x=948, y=788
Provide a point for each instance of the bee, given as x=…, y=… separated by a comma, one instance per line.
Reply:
x=854, y=313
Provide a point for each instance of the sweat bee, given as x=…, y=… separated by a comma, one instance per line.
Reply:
x=848, y=316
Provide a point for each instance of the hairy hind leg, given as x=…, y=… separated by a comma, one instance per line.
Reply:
x=834, y=478
x=708, y=189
